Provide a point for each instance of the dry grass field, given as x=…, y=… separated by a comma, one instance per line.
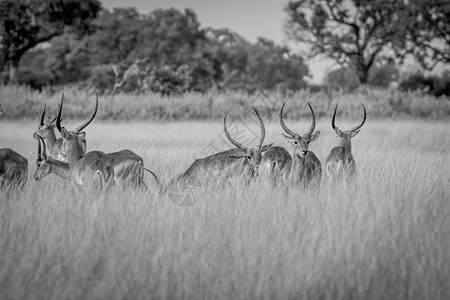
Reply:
x=384, y=236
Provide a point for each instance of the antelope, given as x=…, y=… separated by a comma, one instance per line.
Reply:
x=13, y=168
x=227, y=163
x=274, y=161
x=46, y=164
x=46, y=130
x=304, y=167
x=127, y=165
x=129, y=169
x=84, y=167
x=340, y=162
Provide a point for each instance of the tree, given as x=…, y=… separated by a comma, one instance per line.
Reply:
x=353, y=33
x=25, y=24
x=271, y=64
x=343, y=79
x=426, y=33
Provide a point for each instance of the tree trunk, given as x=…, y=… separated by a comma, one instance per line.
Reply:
x=363, y=74
x=13, y=69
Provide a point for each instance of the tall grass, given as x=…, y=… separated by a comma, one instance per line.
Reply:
x=24, y=103
x=385, y=236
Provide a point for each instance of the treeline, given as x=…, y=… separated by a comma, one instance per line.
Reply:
x=166, y=51
x=46, y=44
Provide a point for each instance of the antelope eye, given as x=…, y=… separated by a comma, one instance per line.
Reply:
x=249, y=157
x=307, y=142
x=295, y=143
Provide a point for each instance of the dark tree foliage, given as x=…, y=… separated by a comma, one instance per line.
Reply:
x=426, y=32
x=354, y=33
x=25, y=24
x=344, y=79
x=433, y=84
x=174, y=54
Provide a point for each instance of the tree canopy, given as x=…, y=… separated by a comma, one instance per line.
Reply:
x=353, y=33
x=25, y=24
x=169, y=51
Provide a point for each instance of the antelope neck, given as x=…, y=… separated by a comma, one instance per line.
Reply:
x=346, y=143
x=297, y=163
x=59, y=168
x=74, y=153
x=50, y=138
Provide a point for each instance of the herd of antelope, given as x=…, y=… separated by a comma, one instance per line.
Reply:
x=68, y=158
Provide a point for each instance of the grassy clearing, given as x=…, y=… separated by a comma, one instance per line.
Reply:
x=23, y=103
x=386, y=236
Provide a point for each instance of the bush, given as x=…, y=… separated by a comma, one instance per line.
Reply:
x=435, y=85
x=34, y=79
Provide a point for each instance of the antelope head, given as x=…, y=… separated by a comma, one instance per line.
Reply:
x=43, y=168
x=45, y=125
x=252, y=156
x=76, y=139
x=344, y=136
x=300, y=143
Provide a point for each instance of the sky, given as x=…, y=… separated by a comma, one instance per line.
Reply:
x=249, y=18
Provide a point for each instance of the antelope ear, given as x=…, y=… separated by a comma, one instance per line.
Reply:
x=83, y=144
x=315, y=136
x=237, y=156
x=287, y=137
x=265, y=147
x=64, y=132
x=353, y=133
x=338, y=131
x=81, y=135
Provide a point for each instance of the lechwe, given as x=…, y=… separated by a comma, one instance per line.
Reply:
x=304, y=168
x=128, y=167
x=340, y=163
x=13, y=168
x=46, y=130
x=240, y=161
x=84, y=168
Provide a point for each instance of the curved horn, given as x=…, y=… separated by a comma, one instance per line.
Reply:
x=313, y=121
x=86, y=123
x=263, y=129
x=334, y=118
x=362, y=123
x=58, y=117
x=237, y=144
x=44, y=148
x=285, y=128
x=43, y=115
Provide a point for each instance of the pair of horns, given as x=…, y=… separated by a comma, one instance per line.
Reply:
x=42, y=153
x=354, y=128
x=292, y=133
x=43, y=116
x=84, y=124
x=239, y=145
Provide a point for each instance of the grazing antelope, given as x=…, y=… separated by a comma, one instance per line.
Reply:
x=340, y=162
x=226, y=163
x=128, y=167
x=129, y=170
x=13, y=168
x=84, y=167
x=46, y=130
x=46, y=164
x=274, y=161
x=304, y=167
